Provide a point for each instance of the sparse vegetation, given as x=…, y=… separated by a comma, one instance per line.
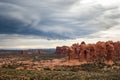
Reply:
x=10, y=74
x=88, y=71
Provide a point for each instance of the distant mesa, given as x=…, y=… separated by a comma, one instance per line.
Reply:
x=30, y=51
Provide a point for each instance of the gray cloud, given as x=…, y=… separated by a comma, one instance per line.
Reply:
x=57, y=19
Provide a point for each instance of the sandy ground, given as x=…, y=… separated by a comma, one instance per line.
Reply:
x=39, y=65
x=61, y=62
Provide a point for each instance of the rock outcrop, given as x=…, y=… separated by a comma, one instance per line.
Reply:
x=99, y=52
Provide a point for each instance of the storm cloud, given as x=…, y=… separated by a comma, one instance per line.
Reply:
x=59, y=19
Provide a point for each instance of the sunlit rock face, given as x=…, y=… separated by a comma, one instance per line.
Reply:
x=101, y=51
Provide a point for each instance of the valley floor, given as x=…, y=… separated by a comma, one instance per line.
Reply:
x=54, y=67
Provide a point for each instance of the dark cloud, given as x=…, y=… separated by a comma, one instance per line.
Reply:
x=9, y=25
x=54, y=19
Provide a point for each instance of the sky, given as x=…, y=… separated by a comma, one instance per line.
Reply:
x=51, y=23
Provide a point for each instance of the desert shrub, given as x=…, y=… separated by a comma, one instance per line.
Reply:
x=92, y=67
x=47, y=68
x=12, y=74
x=11, y=66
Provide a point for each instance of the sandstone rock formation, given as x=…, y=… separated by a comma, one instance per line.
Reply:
x=99, y=52
x=61, y=50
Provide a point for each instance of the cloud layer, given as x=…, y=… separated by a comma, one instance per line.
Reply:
x=58, y=20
